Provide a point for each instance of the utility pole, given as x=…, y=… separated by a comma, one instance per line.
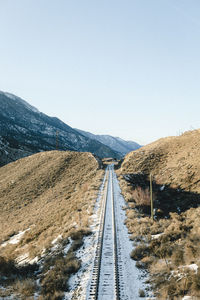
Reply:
x=57, y=139
x=79, y=211
x=151, y=196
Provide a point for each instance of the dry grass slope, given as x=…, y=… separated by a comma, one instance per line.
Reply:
x=50, y=194
x=173, y=160
x=169, y=246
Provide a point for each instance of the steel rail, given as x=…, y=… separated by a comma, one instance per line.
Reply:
x=117, y=287
x=95, y=279
x=94, y=284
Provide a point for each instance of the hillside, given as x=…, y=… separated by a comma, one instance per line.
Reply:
x=168, y=247
x=115, y=143
x=45, y=199
x=24, y=131
x=173, y=161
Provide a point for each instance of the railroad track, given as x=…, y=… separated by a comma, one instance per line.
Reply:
x=105, y=275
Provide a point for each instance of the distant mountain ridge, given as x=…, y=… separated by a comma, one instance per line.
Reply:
x=24, y=131
x=115, y=143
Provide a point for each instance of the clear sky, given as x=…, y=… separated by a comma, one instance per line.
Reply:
x=129, y=68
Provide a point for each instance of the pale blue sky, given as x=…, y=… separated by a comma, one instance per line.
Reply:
x=129, y=68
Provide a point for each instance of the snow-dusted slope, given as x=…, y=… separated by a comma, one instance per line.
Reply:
x=115, y=143
x=24, y=130
x=17, y=99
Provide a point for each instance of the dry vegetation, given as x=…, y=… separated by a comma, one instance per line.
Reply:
x=173, y=161
x=49, y=194
x=169, y=246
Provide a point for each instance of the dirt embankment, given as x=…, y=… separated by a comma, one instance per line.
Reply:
x=50, y=196
x=167, y=247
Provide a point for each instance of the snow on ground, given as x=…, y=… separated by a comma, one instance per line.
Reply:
x=13, y=97
x=192, y=267
x=180, y=273
x=133, y=279
x=79, y=283
x=15, y=239
x=55, y=242
x=156, y=236
x=107, y=281
x=24, y=259
x=66, y=249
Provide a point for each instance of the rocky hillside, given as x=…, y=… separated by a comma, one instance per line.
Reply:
x=44, y=199
x=168, y=246
x=24, y=130
x=115, y=143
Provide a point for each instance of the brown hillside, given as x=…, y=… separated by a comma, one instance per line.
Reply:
x=173, y=160
x=168, y=246
x=43, y=193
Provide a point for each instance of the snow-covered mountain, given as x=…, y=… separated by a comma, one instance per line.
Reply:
x=115, y=143
x=24, y=131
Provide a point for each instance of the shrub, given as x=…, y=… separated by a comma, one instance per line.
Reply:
x=52, y=296
x=140, y=252
x=140, y=265
x=178, y=256
x=79, y=234
x=141, y=293
x=76, y=245
x=141, y=196
x=54, y=280
x=7, y=267
x=25, y=287
x=196, y=281
x=59, y=270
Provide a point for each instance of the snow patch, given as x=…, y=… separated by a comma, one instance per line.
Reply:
x=193, y=267
x=22, y=259
x=156, y=236
x=13, y=97
x=66, y=249
x=162, y=188
x=133, y=278
x=59, y=237
x=15, y=239
x=79, y=283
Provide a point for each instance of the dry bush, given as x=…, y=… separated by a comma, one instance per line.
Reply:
x=25, y=287
x=138, y=227
x=140, y=252
x=7, y=267
x=178, y=256
x=56, y=273
x=196, y=282
x=76, y=245
x=141, y=196
x=158, y=266
x=139, y=265
x=52, y=296
x=79, y=234
x=58, y=268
